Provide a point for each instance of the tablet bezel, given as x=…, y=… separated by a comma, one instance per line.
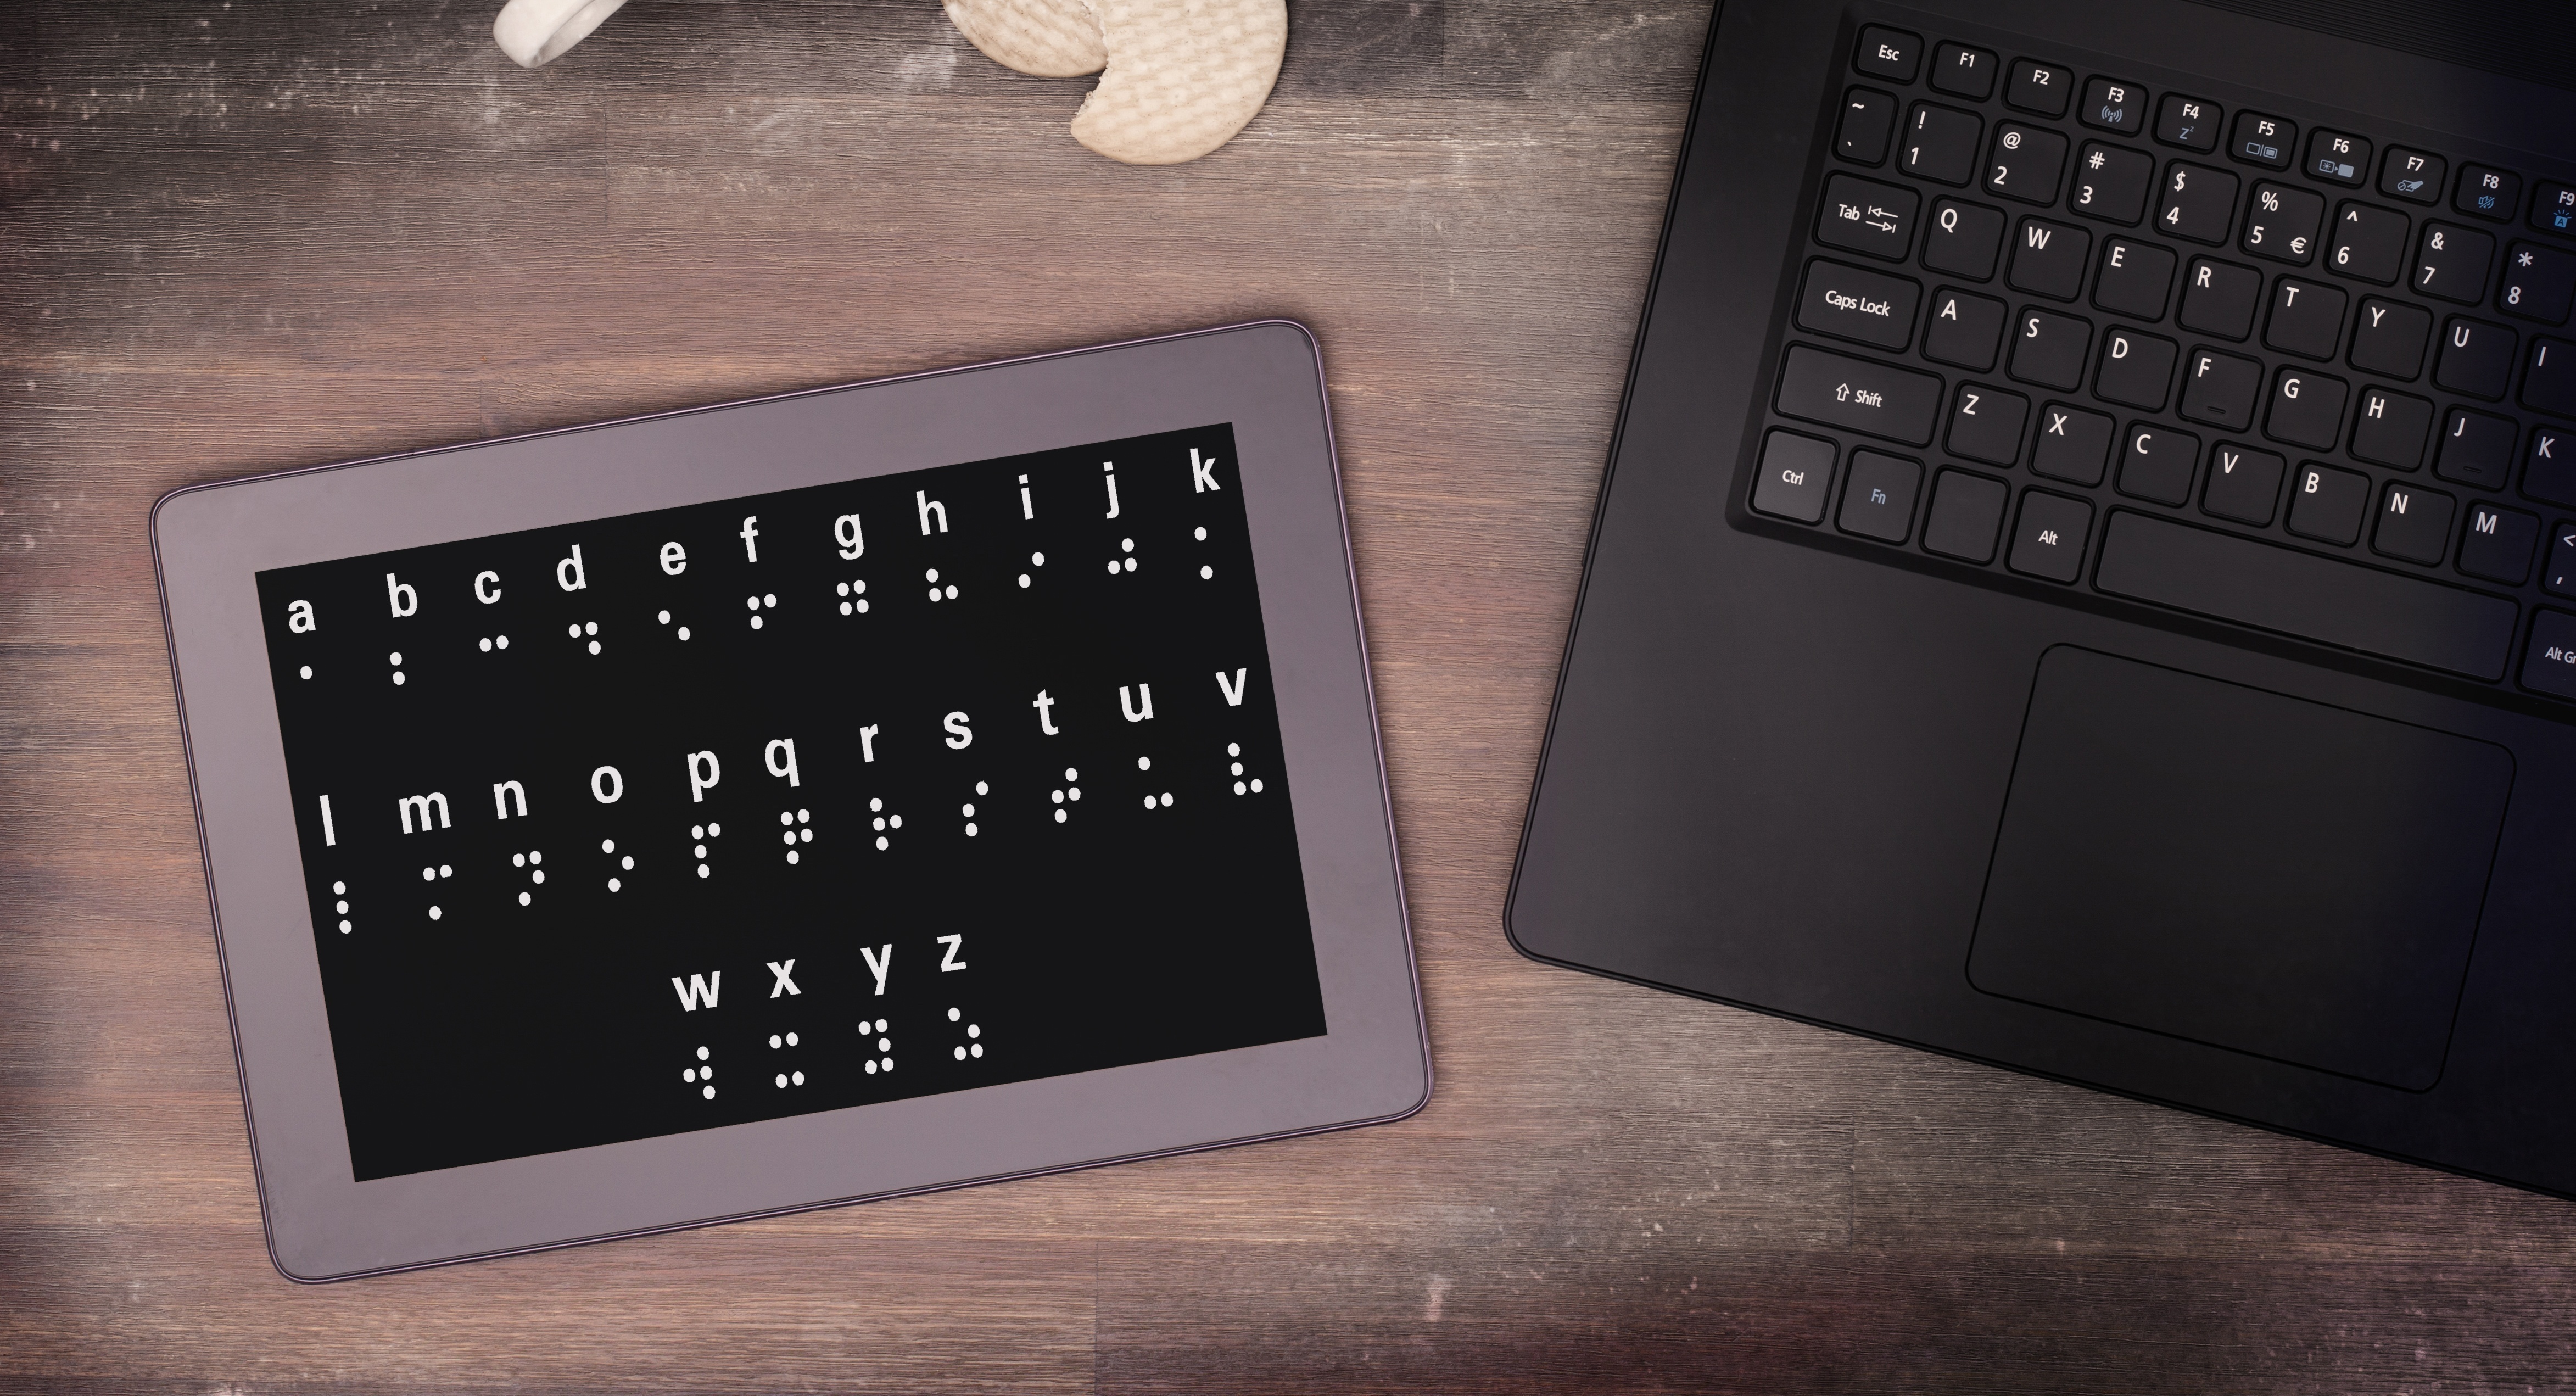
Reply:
x=1265, y=378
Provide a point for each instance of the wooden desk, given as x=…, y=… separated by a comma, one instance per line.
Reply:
x=234, y=238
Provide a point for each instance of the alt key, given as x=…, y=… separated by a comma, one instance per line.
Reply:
x=2550, y=666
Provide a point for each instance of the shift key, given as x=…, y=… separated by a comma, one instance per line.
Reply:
x=1894, y=404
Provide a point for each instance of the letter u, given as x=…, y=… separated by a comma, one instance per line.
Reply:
x=1127, y=707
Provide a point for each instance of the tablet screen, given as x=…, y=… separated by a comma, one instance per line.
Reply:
x=792, y=802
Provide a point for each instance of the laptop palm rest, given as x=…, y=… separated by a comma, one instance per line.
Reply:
x=2240, y=868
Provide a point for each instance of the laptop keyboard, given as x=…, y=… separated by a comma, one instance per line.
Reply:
x=2087, y=332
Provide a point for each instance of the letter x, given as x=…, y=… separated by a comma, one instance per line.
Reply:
x=784, y=985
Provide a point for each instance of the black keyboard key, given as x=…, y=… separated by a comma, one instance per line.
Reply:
x=1963, y=239
x=1967, y=514
x=1857, y=395
x=1869, y=119
x=1964, y=329
x=2263, y=140
x=2135, y=279
x=2025, y=162
x=2477, y=358
x=2136, y=370
x=2392, y=429
x=2244, y=484
x=2496, y=544
x=2538, y=283
x=1870, y=307
x=1796, y=473
x=2327, y=504
x=2369, y=243
x=2199, y=203
x=2560, y=575
x=1878, y=496
x=2049, y=259
x=2487, y=192
x=2549, y=385
x=2040, y=87
x=1888, y=53
x=2338, y=159
x=2300, y=593
x=2283, y=224
x=2049, y=540
x=2114, y=105
x=2072, y=444
x=2451, y=263
x=1863, y=215
x=2111, y=183
x=2157, y=463
x=1963, y=71
x=2550, y=665
x=2188, y=122
x=2307, y=318
x=2307, y=409
x=2414, y=524
x=2477, y=449
x=2412, y=175
x=2553, y=207
x=2549, y=468
x=2390, y=338
x=2050, y=349
x=1941, y=143
x=2220, y=298
x=2221, y=389
x=1986, y=423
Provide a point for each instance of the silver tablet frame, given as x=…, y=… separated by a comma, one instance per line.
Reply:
x=1265, y=377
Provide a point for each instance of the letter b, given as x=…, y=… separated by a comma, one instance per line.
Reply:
x=400, y=597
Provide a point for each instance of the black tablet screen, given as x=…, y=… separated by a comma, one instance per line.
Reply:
x=793, y=802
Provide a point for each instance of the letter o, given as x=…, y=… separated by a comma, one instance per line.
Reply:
x=606, y=785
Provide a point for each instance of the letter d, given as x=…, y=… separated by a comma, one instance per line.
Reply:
x=569, y=573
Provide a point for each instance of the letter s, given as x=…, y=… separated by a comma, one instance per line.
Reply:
x=958, y=737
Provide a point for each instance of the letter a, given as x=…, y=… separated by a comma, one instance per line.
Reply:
x=299, y=617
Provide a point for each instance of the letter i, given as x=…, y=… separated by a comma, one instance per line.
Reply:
x=1027, y=510
x=1111, y=468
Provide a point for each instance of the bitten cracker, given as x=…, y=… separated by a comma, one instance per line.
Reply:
x=1184, y=76
x=1043, y=38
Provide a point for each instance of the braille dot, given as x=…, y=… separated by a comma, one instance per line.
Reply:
x=842, y=590
x=591, y=629
x=967, y=810
x=344, y=928
x=702, y=1054
x=1256, y=787
x=573, y=630
x=807, y=835
x=1113, y=567
x=397, y=658
x=1238, y=787
x=446, y=871
x=535, y=857
x=666, y=618
x=786, y=817
x=518, y=860
x=1073, y=792
x=1167, y=799
x=774, y=1043
x=872, y=1068
x=1037, y=559
x=845, y=608
x=689, y=1074
x=429, y=874
x=885, y=1044
x=308, y=671
x=1058, y=796
x=1149, y=802
x=701, y=851
x=1126, y=545
x=1024, y=579
x=697, y=831
x=934, y=593
x=398, y=678
x=1205, y=573
x=524, y=899
x=881, y=843
x=755, y=622
x=952, y=593
x=974, y=1031
x=790, y=837
x=1059, y=816
x=791, y=855
x=1144, y=763
x=342, y=908
x=753, y=602
x=684, y=632
x=487, y=644
x=863, y=608
x=894, y=821
x=889, y=1063
x=1200, y=534
x=1238, y=768
x=782, y=1082
x=612, y=884
x=769, y=600
x=954, y=1015
x=702, y=869
x=1131, y=564
x=627, y=862
x=1070, y=774
x=961, y=1054
x=970, y=830
x=876, y=804
x=537, y=878
x=791, y=1039
x=711, y=1092
x=930, y=575
x=339, y=888
x=880, y=823
x=982, y=789
x=608, y=845
x=799, y=1078
x=500, y=642
x=858, y=588
x=435, y=913
x=977, y=1049
x=714, y=829
x=594, y=647
x=1234, y=748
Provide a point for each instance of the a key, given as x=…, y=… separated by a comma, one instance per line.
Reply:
x=2263, y=140
x=1963, y=71
x=2111, y=183
x=2412, y=175
x=2049, y=258
x=2113, y=105
x=2136, y=370
x=2307, y=318
x=1967, y=512
x=2220, y=298
x=2538, y=283
x=2496, y=544
x=2390, y=337
x=2198, y=203
x=2369, y=243
x=2327, y=504
x=2157, y=463
x=2283, y=225
x=2072, y=444
x=2040, y=87
x=2048, y=541
x=1869, y=118
x=2221, y=388
x=2477, y=449
x=1964, y=329
x=2050, y=349
x=2307, y=409
x=1857, y=395
x=1963, y=239
x=2487, y=192
x=1941, y=143
x=2338, y=159
x=2134, y=279
x=2414, y=524
x=2392, y=429
x=2477, y=358
x=2188, y=122
x=1986, y=423
x=2244, y=484
x=1863, y=215
x=2451, y=263
x=2025, y=163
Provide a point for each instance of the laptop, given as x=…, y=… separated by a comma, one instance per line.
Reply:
x=2086, y=575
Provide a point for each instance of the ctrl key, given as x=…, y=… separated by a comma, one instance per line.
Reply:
x=2550, y=667
x=1796, y=471
x=2049, y=540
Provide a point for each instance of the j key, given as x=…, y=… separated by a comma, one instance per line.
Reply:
x=2198, y=203
x=2283, y=225
x=2550, y=384
x=2300, y=593
x=2477, y=358
x=2221, y=298
x=1888, y=53
x=1869, y=118
x=2549, y=471
x=2414, y=524
x=2263, y=140
x=2391, y=429
x=2135, y=279
x=1941, y=143
x=2390, y=338
x=1848, y=303
x=2040, y=87
x=2220, y=389
x=2307, y=319
x=2369, y=243
x=2487, y=192
x=2050, y=349
x=2244, y=484
x=2025, y=163
x=2188, y=122
x=1963, y=71
x=2114, y=105
x=2338, y=158
x=1964, y=239
x=1857, y=395
x=2477, y=449
x=2538, y=283
x=1863, y=215
x=2452, y=263
x=2412, y=175
x=2553, y=207
x=2111, y=183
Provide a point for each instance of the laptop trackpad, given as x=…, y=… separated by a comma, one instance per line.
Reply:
x=2240, y=868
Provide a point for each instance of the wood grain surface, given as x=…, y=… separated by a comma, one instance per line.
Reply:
x=241, y=236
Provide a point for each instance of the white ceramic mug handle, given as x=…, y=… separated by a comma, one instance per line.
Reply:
x=535, y=32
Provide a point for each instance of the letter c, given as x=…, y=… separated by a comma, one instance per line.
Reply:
x=479, y=579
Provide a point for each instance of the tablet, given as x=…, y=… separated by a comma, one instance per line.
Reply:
x=792, y=802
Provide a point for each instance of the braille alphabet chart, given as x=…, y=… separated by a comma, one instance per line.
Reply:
x=793, y=802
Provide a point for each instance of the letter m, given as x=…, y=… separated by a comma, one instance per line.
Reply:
x=423, y=803
x=700, y=989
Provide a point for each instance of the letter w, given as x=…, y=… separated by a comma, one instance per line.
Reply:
x=698, y=990
x=2037, y=236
